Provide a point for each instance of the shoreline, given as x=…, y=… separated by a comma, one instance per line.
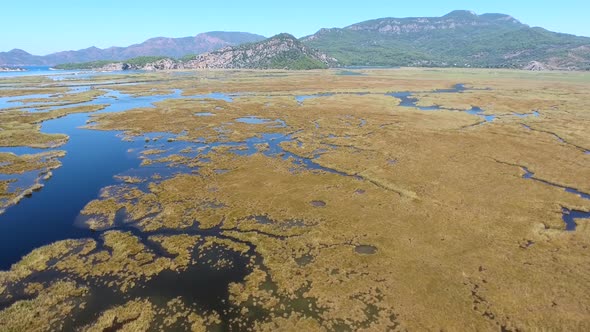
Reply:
x=8, y=69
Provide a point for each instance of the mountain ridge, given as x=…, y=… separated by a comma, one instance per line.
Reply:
x=156, y=46
x=282, y=51
x=460, y=38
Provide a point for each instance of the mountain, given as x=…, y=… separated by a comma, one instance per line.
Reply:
x=160, y=46
x=460, y=38
x=282, y=51
x=17, y=57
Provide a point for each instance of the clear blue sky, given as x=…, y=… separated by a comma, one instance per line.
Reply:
x=45, y=26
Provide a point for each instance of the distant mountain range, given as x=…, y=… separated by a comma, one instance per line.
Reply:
x=282, y=51
x=160, y=46
x=458, y=39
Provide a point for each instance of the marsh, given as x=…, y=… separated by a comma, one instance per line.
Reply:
x=384, y=199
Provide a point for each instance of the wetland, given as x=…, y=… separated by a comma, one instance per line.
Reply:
x=328, y=200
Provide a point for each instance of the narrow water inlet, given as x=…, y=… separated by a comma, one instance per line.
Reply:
x=569, y=216
x=301, y=98
x=204, y=114
x=525, y=115
x=407, y=99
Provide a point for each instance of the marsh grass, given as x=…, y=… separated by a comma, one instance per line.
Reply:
x=427, y=223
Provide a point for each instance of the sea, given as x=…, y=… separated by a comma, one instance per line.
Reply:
x=51, y=73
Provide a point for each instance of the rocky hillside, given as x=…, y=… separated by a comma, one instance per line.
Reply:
x=139, y=63
x=282, y=51
x=460, y=38
x=279, y=52
x=160, y=46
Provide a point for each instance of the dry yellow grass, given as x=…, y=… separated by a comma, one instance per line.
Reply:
x=21, y=128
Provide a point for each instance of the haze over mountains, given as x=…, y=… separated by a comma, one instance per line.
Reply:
x=458, y=39
x=159, y=46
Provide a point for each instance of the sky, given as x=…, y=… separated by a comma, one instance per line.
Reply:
x=41, y=27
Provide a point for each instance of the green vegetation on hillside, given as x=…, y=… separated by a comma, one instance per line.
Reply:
x=144, y=60
x=357, y=48
x=295, y=61
x=187, y=57
x=84, y=65
x=135, y=62
x=490, y=40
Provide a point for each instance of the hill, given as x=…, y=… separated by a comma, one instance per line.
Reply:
x=282, y=51
x=460, y=38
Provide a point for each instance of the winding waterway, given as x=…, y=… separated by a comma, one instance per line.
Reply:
x=92, y=161
x=48, y=216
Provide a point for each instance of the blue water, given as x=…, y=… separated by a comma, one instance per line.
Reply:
x=20, y=150
x=301, y=98
x=35, y=71
x=253, y=120
x=479, y=112
x=15, y=101
x=48, y=215
x=524, y=115
x=407, y=99
x=59, y=75
x=93, y=159
x=569, y=216
x=204, y=114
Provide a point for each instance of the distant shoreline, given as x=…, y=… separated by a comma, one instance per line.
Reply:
x=11, y=69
